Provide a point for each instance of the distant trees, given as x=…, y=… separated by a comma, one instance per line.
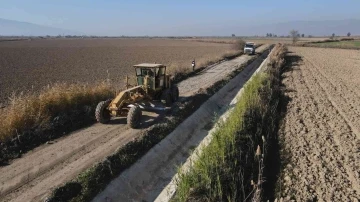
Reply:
x=303, y=35
x=348, y=34
x=233, y=35
x=310, y=36
x=332, y=36
x=270, y=35
x=294, y=34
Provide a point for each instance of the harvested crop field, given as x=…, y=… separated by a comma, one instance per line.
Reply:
x=321, y=130
x=258, y=40
x=32, y=64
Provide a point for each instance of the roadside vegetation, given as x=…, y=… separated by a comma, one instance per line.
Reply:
x=32, y=119
x=231, y=167
x=179, y=70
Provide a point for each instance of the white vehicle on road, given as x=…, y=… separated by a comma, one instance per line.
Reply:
x=249, y=48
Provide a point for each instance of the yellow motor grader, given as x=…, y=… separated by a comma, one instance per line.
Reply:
x=152, y=84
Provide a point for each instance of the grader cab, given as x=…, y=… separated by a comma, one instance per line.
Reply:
x=153, y=84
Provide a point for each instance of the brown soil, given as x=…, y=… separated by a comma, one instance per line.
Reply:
x=33, y=176
x=321, y=130
x=31, y=65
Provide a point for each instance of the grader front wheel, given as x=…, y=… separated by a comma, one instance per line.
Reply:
x=102, y=114
x=134, y=117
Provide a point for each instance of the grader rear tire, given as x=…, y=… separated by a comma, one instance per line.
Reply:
x=175, y=93
x=134, y=117
x=102, y=114
x=167, y=98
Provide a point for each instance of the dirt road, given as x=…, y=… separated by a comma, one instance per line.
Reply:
x=212, y=74
x=322, y=124
x=31, y=177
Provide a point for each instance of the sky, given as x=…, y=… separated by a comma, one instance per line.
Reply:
x=160, y=17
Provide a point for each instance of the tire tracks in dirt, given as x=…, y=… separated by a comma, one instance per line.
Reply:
x=54, y=164
x=206, y=78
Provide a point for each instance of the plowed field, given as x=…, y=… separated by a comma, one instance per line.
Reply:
x=321, y=130
x=30, y=65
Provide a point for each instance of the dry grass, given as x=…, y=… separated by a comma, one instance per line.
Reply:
x=238, y=45
x=276, y=58
x=31, y=111
x=184, y=68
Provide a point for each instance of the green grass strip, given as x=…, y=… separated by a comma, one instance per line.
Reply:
x=230, y=168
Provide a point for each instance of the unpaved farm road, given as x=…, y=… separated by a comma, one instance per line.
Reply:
x=321, y=126
x=31, y=177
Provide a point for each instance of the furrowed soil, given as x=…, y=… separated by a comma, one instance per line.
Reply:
x=321, y=129
x=29, y=65
x=33, y=176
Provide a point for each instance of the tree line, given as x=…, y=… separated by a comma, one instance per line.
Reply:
x=300, y=35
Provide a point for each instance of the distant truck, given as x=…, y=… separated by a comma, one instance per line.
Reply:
x=249, y=48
